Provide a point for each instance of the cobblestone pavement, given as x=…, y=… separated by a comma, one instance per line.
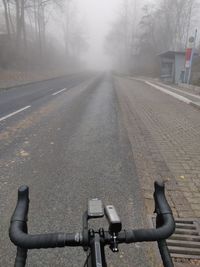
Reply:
x=165, y=138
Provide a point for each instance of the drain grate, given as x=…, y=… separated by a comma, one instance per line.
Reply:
x=185, y=242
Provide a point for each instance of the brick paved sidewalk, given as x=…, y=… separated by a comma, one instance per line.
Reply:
x=165, y=138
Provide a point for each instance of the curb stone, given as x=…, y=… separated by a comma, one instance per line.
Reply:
x=195, y=104
x=192, y=103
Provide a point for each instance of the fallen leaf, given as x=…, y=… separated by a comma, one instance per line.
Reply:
x=23, y=153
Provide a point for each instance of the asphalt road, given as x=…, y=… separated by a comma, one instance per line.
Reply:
x=17, y=98
x=68, y=147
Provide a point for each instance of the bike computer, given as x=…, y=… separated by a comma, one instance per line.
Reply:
x=95, y=208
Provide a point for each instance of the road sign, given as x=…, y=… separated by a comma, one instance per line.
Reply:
x=188, y=56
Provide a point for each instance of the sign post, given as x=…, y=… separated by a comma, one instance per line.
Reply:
x=189, y=57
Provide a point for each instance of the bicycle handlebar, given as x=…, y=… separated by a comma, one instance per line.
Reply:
x=20, y=237
x=164, y=221
x=18, y=228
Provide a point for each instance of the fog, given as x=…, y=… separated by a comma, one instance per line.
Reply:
x=72, y=35
x=98, y=16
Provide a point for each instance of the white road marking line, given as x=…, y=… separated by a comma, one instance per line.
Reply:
x=14, y=113
x=58, y=92
x=179, y=97
x=181, y=91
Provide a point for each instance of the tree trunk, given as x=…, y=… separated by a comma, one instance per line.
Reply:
x=6, y=17
x=10, y=19
x=35, y=19
x=23, y=24
x=18, y=24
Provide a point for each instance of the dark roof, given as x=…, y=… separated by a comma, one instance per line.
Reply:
x=171, y=54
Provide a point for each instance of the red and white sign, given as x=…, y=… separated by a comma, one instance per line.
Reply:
x=188, y=57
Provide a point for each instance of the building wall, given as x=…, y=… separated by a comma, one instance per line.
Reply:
x=167, y=69
x=179, y=67
x=196, y=71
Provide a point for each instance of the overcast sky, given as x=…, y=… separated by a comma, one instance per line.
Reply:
x=98, y=15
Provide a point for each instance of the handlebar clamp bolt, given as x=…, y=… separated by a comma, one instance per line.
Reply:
x=91, y=233
x=101, y=232
x=114, y=245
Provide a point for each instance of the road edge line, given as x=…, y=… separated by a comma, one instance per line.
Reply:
x=179, y=97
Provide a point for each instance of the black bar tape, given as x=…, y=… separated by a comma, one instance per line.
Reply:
x=23, y=240
x=21, y=210
x=162, y=206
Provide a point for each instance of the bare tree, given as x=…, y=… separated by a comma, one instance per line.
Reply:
x=74, y=35
x=120, y=40
x=28, y=25
x=6, y=12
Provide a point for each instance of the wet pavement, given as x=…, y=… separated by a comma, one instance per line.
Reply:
x=69, y=148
